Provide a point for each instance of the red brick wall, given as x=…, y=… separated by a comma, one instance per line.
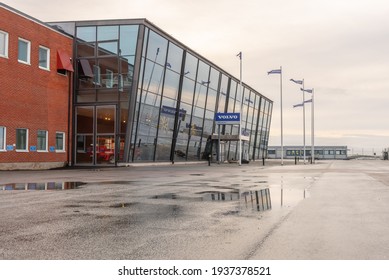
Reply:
x=30, y=97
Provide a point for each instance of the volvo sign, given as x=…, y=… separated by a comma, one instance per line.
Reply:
x=227, y=118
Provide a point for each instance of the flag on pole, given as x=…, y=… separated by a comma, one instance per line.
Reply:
x=300, y=82
x=298, y=105
x=275, y=71
x=306, y=90
x=239, y=55
x=308, y=101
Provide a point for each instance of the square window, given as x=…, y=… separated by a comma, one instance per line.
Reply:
x=3, y=44
x=24, y=50
x=44, y=58
x=21, y=139
x=2, y=138
x=60, y=141
x=42, y=141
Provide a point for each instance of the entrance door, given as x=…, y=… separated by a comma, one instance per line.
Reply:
x=95, y=135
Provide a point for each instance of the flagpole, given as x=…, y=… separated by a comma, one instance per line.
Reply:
x=282, y=133
x=241, y=112
x=304, y=121
x=279, y=71
x=313, y=127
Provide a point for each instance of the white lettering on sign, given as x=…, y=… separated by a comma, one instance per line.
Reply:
x=227, y=117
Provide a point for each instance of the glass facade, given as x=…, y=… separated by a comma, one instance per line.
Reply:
x=142, y=96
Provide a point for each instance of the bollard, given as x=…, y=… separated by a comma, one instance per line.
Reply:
x=209, y=160
x=263, y=161
x=295, y=160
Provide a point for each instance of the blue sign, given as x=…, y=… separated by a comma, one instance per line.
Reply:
x=171, y=111
x=227, y=118
x=32, y=148
x=52, y=149
x=10, y=147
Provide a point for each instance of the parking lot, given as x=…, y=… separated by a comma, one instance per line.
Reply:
x=328, y=210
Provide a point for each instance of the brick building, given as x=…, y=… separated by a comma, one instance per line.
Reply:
x=35, y=93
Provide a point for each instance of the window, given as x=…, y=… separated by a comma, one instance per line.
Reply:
x=60, y=142
x=96, y=75
x=24, y=49
x=2, y=138
x=42, y=141
x=109, y=79
x=21, y=139
x=44, y=58
x=3, y=44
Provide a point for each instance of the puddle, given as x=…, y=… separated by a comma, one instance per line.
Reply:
x=41, y=186
x=259, y=200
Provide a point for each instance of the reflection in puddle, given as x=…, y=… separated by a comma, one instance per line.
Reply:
x=220, y=196
x=259, y=200
x=41, y=186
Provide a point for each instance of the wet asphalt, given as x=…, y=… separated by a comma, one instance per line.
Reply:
x=331, y=210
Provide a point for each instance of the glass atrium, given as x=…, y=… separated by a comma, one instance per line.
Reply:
x=142, y=96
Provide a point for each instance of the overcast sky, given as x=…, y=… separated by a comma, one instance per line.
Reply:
x=339, y=47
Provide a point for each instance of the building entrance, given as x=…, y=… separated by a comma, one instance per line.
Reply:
x=95, y=135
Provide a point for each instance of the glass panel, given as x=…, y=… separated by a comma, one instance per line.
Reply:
x=85, y=82
x=59, y=141
x=214, y=78
x=157, y=47
x=2, y=138
x=174, y=59
x=87, y=34
x=107, y=33
x=183, y=132
x=3, y=43
x=128, y=40
x=109, y=70
x=86, y=96
x=123, y=117
x=165, y=129
x=105, y=149
x=107, y=48
x=211, y=99
x=203, y=74
x=231, y=100
x=85, y=149
x=41, y=140
x=84, y=119
x=107, y=95
x=187, y=91
x=85, y=50
x=190, y=66
x=43, y=57
x=21, y=139
x=172, y=80
x=223, y=94
x=105, y=119
x=23, y=50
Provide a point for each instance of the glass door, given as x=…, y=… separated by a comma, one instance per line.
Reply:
x=95, y=135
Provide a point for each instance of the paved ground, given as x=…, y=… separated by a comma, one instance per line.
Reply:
x=330, y=210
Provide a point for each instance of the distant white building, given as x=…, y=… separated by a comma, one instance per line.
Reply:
x=321, y=152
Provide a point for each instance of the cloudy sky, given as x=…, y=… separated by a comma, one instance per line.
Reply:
x=339, y=47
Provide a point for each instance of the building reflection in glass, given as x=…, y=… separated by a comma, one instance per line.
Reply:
x=161, y=97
